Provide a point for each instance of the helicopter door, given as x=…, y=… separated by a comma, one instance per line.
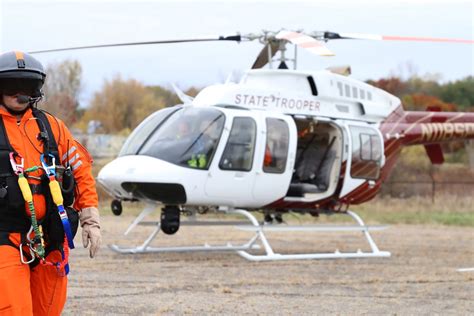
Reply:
x=254, y=162
x=231, y=175
x=275, y=158
x=365, y=156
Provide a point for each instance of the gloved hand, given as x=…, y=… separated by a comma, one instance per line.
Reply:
x=90, y=223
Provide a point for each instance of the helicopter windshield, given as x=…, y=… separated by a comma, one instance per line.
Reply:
x=140, y=135
x=188, y=137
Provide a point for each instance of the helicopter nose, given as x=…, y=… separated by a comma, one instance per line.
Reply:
x=144, y=178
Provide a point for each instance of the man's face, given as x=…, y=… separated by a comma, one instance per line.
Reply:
x=11, y=102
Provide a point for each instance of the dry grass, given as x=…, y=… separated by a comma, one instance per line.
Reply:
x=446, y=210
x=442, y=204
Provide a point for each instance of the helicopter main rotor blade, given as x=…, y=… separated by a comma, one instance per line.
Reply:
x=304, y=41
x=376, y=37
x=235, y=38
x=263, y=58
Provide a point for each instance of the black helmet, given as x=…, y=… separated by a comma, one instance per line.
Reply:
x=21, y=73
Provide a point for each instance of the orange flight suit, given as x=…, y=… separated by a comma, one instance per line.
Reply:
x=40, y=290
x=267, y=158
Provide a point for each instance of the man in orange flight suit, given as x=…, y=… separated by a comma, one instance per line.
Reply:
x=38, y=288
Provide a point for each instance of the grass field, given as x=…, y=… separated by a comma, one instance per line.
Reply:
x=447, y=210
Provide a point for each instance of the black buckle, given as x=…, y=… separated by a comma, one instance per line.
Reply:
x=43, y=136
x=36, y=189
x=21, y=63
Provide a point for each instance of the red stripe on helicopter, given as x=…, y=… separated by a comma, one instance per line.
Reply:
x=426, y=39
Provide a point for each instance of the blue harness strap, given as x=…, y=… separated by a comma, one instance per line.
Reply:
x=66, y=226
x=51, y=173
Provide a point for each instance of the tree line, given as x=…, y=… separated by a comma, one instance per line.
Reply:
x=418, y=93
x=122, y=104
x=119, y=106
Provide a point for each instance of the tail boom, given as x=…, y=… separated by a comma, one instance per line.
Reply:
x=426, y=128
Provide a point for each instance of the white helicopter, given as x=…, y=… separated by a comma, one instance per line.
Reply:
x=278, y=141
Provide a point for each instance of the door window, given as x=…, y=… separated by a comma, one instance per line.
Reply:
x=240, y=147
x=276, y=147
x=366, y=153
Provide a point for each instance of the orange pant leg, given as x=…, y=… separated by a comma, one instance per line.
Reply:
x=48, y=288
x=15, y=297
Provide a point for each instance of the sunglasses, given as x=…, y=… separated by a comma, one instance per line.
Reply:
x=14, y=87
x=18, y=92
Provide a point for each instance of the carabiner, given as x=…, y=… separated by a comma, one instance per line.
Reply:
x=22, y=257
x=18, y=168
x=50, y=170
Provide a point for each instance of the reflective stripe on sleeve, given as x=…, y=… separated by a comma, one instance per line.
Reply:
x=73, y=148
x=73, y=159
x=77, y=165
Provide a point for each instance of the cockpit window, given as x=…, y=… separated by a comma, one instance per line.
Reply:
x=188, y=138
x=143, y=131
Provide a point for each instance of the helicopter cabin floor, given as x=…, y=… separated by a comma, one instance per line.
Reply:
x=420, y=278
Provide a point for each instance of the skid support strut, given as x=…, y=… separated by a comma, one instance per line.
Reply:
x=259, y=238
x=146, y=248
x=270, y=255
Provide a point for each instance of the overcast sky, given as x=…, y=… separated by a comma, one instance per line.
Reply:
x=43, y=24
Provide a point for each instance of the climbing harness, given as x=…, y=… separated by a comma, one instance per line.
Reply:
x=36, y=244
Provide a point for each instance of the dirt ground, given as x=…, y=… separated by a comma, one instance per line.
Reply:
x=420, y=278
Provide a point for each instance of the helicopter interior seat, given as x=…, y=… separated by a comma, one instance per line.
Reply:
x=323, y=174
x=314, y=165
x=309, y=157
x=320, y=182
x=300, y=189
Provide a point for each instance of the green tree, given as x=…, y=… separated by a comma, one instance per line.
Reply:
x=416, y=92
x=460, y=92
x=419, y=85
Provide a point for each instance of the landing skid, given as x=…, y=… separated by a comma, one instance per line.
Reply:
x=270, y=255
x=258, y=238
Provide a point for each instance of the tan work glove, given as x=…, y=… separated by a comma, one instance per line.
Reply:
x=90, y=223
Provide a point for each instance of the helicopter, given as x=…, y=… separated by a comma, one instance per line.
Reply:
x=280, y=140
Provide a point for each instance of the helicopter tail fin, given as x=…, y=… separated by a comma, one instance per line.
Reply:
x=435, y=153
